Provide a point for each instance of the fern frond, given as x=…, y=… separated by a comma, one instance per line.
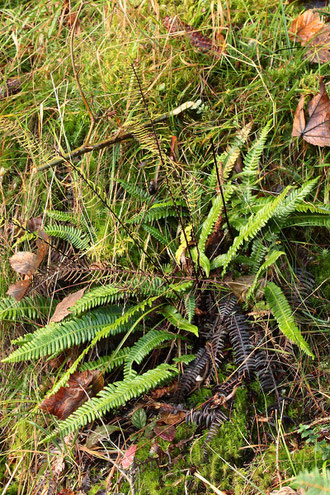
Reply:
x=213, y=216
x=306, y=207
x=29, y=308
x=56, y=337
x=153, y=214
x=134, y=190
x=190, y=304
x=258, y=253
x=107, y=363
x=113, y=396
x=97, y=297
x=73, y=235
x=251, y=162
x=154, y=232
x=171, y=313
x=151, y=340
x=282, y=312
x=269, y=261
x=307, y=220
x=294, y=198
x=239, y=335
x=254, y=224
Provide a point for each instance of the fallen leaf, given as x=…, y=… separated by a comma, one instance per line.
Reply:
x=317, y=130
x=165, y=432
x=10, y=87
x=19, y=289
x=66, y=491
x=318, y=50
x=128, y=457
x=172, y=419
x=62, y=309
x=306, y=26
x=24, y=262
x=286, y=490
x=81, y=385
x=100, y=433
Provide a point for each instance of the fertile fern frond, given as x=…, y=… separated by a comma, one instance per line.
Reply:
x=113, y=396
x=253, y=225
x=107, y=363
x=251, y=163
x=73, y=235
x=151, y=340
x=56, y=337
x=265, y=370
x=29, y=308
x=282, y=312
x=239, y=334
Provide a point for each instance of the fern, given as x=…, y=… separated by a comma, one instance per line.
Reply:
x=295, y=197
x=107, y=363
x=71, y=234
x=156, y=213
x=97, y=297
x=174, y=317
x=151, y=340
x=270, y=260
x=258, y=253
x=190, y=303
x=134, y=190
x=113, y=396
x=282, y=312
x=154, y=232
x=29, y=308
x=307, y=220
x=254, y=224
x=251, y=163
x=56, y=337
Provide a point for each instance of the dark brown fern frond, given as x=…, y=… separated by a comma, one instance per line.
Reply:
x=194, y=375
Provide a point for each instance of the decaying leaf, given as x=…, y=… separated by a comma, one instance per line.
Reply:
x=62, y=309
x=9, y=88
x=101, y=432
x=317, y=129
x=197, y=39
x=172, y=419
x=81, y=385
x=310, y=30
x=306, y=26
x=165, y=432
x=19, y=289
x=128, y=457
x=24, y=262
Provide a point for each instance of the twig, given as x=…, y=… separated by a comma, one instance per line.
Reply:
x=117, y=138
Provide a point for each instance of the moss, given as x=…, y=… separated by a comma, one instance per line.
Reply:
x=96, y=488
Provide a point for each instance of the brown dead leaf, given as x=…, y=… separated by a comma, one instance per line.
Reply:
x=317, y=130
x=286, y=490
x=318, y=50
x=81, y=385
x=306, y=26
x=62, y=309
x=172, y=419
x=165, y=432
x=19, y=289
x=66, y=491
x=24, y=262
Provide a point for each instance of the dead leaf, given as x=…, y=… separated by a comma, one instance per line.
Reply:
x=306, y=26
x=172, y=419
x=62, y=309
x=101, y=432
x=66, y=491
x=286, y=490
x=24, y=262
x=317, y=130
x=318, y=50
x=10, y=87
x=128, y=457
x=81, y=385
x=165, y=432
x=19, y=289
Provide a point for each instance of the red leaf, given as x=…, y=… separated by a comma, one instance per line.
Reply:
x=128, y=457
x=81, y=385
x=165, y=432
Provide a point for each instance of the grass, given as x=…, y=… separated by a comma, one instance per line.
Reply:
x=259, y=79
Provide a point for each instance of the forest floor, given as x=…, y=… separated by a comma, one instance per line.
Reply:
x=164, y=247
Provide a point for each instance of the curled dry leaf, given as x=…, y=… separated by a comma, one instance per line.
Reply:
x=317, y=129
x=19, y=289
x=81, y=385
x=62, y=309
x=24, y=262
x=197, y=39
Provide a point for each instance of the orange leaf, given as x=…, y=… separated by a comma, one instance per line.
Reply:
x=61, y=310
x=81, y=385
x=317, y=129
x=19, y=289
x=24, y=262
x=306, y=26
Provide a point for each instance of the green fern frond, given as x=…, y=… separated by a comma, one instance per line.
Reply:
x=171, y=313
x=97, y=297
x=154, y=232
x=73, y=235
x=190, y=304
x=251, y=162
x=307, y=207
x=107, y=363
x=29, y=308
x=213, y=216
x=253, y=225
x=151, y=340
x=270, y=260
x=258, y=253
x=295, y=197
x=307, y=220
x=134, y=190
x=282, y=312
x=56, y=337
x=153, y=214
x=113, y=396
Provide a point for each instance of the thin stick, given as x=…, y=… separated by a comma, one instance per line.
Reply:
x=117, y=138
x=221, y=190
